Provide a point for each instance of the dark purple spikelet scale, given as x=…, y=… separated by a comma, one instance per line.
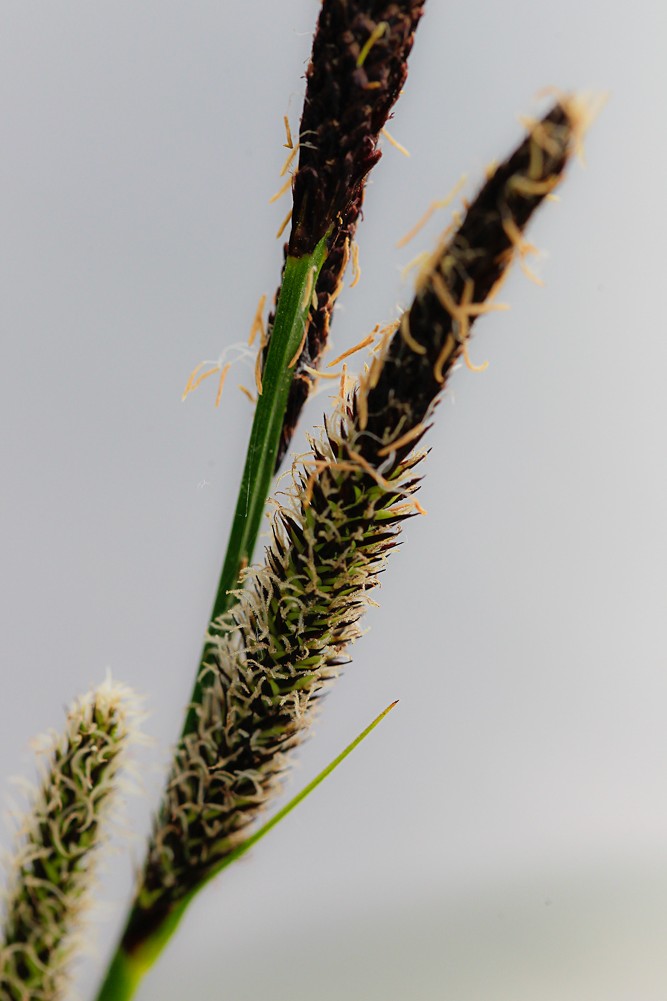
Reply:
x=274, y=654
x=358, y=67
x=459, y=279
x=319, y=320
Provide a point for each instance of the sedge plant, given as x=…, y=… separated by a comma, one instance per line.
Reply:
x=280, y=628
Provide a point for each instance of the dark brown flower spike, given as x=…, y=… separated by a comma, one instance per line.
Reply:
x=357, y=69
x=52, y=876
x=458, y=284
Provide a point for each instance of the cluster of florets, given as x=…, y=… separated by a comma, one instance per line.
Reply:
x=51, y=874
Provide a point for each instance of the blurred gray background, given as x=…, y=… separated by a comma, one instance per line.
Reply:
x=503, y=835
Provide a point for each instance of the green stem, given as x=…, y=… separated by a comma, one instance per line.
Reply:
x=299, y=280
x=128, y=967
x=122, y=979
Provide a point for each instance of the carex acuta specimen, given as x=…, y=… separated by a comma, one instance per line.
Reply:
x=273, y=654
x=280, y=632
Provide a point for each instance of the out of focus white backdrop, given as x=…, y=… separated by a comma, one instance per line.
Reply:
x=503, y=835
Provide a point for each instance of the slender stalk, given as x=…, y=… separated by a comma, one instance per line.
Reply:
x=300, y=796
x=129, y=966
x=294, y=302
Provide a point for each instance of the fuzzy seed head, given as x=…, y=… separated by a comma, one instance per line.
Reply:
x=50, y=879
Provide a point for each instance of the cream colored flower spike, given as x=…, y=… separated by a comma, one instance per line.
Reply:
x=51, y=874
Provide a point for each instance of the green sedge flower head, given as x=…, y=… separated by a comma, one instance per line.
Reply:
x=50, y=878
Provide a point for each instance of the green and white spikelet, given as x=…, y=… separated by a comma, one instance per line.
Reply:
x=51, y=873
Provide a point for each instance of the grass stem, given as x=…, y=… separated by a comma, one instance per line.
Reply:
x=294, y=303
